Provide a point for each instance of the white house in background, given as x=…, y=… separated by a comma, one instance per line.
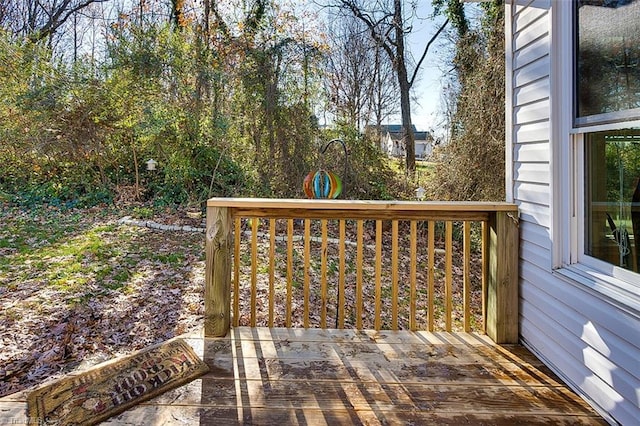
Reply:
x=391, y=141
x=573, y=166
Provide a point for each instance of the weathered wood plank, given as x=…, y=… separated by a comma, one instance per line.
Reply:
x=299, y=388
x=485, y=273
x=316, y=204
x=431, y=276
x=272, y=269
x=337, y=395
x=254, y=269
x=394, y=274
x=323, y=275
x=502, y=287
x=378, y=292
x=456, y=215
x=466, y=258
x=307, y=262
x=359, y=263
x=236, y=270
x=341, y=273
x=218, y=272
x=448, y=275
x=342, y=416
x=413, y=249
x=289, y=270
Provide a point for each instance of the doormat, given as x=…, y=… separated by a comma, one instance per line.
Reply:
x=112, y=387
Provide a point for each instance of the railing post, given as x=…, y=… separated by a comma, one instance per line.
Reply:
x=502, y=283
x=217, y=291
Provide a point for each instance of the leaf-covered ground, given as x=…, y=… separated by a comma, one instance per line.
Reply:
x=76, y=287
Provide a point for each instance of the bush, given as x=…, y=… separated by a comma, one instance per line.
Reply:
x=368, y=175
x=471, y=167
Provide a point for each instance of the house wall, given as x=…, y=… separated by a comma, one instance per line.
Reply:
x=423, y=149
x=394, y=148
x=588, y=338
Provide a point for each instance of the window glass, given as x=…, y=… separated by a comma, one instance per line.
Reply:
x=608, y=56
x=612, y=184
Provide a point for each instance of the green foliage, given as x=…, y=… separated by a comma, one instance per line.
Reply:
x=224, y=109
x=369, y=175
x=454, y=11
x=142, y=212
x=471, y=165
x=71, y=138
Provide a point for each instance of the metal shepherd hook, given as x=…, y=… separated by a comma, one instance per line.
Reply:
x=346, y=155
x=344, y=175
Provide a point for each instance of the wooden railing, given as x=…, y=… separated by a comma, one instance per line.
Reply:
x=379, y=264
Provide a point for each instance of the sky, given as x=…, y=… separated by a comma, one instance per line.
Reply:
x=426, y=93
x=427, y=88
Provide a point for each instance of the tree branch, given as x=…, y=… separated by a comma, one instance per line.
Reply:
x=58, y=17
x=364, y=17
x=426, y=49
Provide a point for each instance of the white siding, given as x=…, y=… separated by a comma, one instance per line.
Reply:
x=588, y=340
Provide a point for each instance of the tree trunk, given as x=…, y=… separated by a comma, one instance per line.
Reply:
x=408, y=136
x=405, y=102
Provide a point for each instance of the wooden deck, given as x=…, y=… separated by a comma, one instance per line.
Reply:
x=277, y=376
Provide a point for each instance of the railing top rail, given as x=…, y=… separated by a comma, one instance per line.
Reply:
x=382, y=205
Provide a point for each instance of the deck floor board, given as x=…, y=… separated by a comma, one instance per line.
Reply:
x=262, y=376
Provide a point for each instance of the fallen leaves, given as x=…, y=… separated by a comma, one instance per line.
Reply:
x=76, y=289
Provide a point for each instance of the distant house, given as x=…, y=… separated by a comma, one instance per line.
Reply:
x=391, y=141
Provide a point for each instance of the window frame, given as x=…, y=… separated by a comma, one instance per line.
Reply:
x=607, y=118
x=610, y=269
x=569, y=261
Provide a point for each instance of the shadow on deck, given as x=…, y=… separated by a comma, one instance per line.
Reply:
x=283, y=376
x=280, y=376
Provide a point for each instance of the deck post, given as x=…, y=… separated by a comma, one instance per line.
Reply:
x=502, y=282
x=217, y=291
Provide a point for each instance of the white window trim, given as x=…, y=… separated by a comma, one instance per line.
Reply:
x=563, y=212
x=619, y=286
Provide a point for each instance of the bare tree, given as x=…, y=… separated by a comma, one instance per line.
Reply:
x=388, y=27
x=384, y=94
x=361, y=88
x=39, y=20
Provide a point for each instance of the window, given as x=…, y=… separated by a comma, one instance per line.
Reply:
x=606, y=110
x=608, y=61
x=612, y=197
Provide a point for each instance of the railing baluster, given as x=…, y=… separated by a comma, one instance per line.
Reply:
x=378, y=296
x=485, y=272
x=359, y=261
x=289, y=270
x=448, y=281
x=254, y=268
x=467, y=276
x=431, y=275
x=272, y=269
x=236, y=271
x=412, y=280
x=394, y=274
x=341, y=275
x=307, y=260
x=323, y=275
